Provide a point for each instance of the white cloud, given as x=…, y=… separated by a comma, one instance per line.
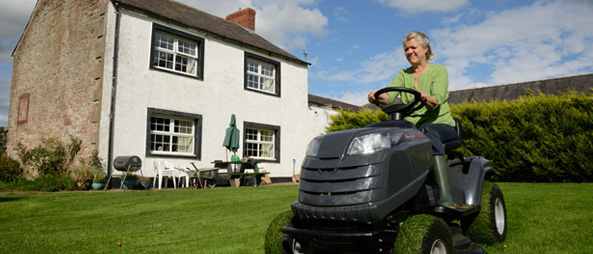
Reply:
x=340, y=14
x=14, y=15
x=355, y=97
x=358, y=98
x=379, y=68
x=452, y=19
x=5, y=79
x=544, y=40
x=288, y=24
x=417, y=6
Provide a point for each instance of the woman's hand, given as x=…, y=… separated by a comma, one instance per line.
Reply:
x=383, y=98
x=429, y=101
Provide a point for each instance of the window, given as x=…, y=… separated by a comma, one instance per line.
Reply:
x=262, y=142
x=262, y=74
x=173, y=133
x=177, y=52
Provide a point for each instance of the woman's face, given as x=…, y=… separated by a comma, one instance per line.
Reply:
x=415, y=53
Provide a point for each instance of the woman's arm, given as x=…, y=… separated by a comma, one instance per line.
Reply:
x=439, y=91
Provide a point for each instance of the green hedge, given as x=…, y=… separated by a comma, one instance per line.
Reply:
x=347, y=119
x=536, y=138
x=540, y=138
x=10, y=170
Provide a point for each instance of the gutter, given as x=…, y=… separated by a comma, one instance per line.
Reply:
x=113, y=92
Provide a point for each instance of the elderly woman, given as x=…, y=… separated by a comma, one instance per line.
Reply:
x=434, y=119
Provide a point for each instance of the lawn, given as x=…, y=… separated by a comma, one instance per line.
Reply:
x=542, y=218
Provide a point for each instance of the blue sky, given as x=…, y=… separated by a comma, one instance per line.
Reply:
x=355, y=46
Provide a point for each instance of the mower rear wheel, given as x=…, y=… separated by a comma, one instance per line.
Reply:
x=491, y=224
x=424, y=234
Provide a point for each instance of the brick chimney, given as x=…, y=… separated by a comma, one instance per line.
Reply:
x=245, y=18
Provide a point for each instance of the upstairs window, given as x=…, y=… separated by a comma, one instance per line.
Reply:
x=177, y=52
x=262, y=74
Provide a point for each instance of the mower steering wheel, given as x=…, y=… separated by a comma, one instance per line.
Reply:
x=401, y=109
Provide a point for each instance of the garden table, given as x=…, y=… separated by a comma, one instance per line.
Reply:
x=236, y=172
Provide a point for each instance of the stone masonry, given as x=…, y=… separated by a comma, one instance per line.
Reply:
x=57, y=71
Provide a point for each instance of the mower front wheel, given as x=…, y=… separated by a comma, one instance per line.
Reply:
x=424, y=234
x=277, y=242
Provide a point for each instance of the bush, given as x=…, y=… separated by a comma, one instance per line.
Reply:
x=537, y=138
x=347, y=119
x=10, y=170
x=3, y=139
x=50, y=158
x=52, y=183
x=44, y=183
x=542, y=138
x=83, y=175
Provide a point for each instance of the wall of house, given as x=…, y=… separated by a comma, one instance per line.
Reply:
x=56, y=83
x=220, y=94
x=319, y=118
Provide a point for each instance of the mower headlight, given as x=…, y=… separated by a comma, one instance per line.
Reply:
x=313, y=147
x=370, y=143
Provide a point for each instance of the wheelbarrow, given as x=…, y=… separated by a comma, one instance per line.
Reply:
x=206, y=176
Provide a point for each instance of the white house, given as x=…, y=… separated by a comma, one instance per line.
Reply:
x=160, y=80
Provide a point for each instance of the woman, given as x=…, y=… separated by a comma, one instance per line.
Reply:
x=434, y=119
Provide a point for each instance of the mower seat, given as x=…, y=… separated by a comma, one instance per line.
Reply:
x=453, y=144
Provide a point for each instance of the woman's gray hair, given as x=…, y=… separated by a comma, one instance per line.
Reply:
x=422, y=39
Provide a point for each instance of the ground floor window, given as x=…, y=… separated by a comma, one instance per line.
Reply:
x=172, y=133
x=261, y=141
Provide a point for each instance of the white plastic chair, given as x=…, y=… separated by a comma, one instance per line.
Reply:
x=183, y=173
x=163, y=168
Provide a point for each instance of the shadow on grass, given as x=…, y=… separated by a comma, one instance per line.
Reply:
x=9, y=199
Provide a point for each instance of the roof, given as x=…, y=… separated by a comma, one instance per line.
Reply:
x=556, y=86
x=186, y=15
x=322, y=101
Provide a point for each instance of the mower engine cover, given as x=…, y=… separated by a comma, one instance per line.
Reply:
x=362, y=175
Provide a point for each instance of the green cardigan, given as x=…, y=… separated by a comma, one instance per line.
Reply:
x=435, y=82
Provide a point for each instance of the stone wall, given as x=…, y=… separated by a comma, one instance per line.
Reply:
x=57, y=71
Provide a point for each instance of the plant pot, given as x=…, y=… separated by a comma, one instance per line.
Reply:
x=131, y=184
x=97, y=186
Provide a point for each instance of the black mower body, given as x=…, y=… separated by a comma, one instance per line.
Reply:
x=358, y=187
x=362, y=188
x=360, y=197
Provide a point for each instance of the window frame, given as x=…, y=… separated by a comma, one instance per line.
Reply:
x=157, y=28
x=277, y=133
x=197, y=124
x=277, y=71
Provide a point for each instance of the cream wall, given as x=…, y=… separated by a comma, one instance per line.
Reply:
x=215, y=98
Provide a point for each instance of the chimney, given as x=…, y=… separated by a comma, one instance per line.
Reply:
x=245, y=18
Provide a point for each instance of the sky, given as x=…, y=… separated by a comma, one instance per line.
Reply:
x=355, y=46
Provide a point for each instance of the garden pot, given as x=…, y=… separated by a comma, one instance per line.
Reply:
x=97, y=186
x=131, y=184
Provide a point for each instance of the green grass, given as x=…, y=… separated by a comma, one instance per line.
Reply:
x=542, y=218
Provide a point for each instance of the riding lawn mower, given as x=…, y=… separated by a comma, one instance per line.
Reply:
x=370, y=190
